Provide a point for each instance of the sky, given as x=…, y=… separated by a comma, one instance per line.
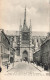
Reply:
x=12, y=11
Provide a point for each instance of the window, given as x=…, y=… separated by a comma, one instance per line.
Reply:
x=25, y=36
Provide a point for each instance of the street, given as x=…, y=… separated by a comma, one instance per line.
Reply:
x=24, y=68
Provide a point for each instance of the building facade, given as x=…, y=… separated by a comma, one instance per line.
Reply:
x=26, y=41
x=45, y=50
x=4, y=46
x=23, y=41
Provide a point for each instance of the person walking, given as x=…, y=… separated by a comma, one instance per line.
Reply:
x=7, y=66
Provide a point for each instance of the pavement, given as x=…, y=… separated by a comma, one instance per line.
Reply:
x=38, y=67
x=23, y=68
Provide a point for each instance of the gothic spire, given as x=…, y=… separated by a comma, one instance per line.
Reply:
x=25, y=16
x=20, y=25
x=30, y=22
x=30, y=26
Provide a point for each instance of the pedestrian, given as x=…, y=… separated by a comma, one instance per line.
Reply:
x=7, y=66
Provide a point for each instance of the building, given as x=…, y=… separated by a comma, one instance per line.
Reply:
x=37, y=41
x=26, y=41
x=37, y=57
x=14, y=45
x=45, y=50
x=4, y=46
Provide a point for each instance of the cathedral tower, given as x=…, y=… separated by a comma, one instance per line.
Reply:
x=25, y=41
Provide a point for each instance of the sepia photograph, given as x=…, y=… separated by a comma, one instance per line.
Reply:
x=24, y=39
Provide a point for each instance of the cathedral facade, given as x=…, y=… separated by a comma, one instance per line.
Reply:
x=26, y=41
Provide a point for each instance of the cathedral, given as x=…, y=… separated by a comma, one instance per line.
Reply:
x=26, y=41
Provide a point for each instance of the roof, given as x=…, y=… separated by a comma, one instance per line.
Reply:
x=47, y=39
x=12, y=33
x=34, y=33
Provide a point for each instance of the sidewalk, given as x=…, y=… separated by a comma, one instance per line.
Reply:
x=4, y=68
x=11, y=66
x=39, y=68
